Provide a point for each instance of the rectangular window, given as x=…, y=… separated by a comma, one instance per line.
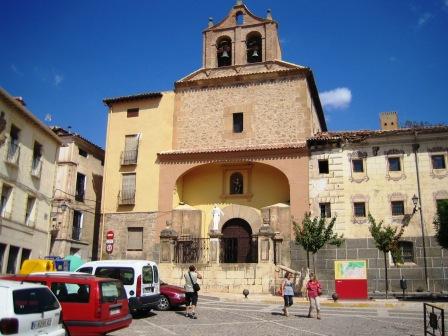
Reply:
x=238, y=125
x=82, y=152
x=30, y=213
x=397, y=208
x=440, y=203
x=124, y=274
x=14, y=134
x=132, y=113
x=407, y=251
x=12, y=260
x=5, y=200
x=394, y=164
x=438, y=162
x=80, y=187
x=130, y=152
x=358, y=166
x=25, y=255
x=323, y=167
x=127, y=194
x=77, y=225
x=13, y=152
x=36, y=164
x=325, y=210
x=135, y=239
x=71, y=292
x=2, y=256
x=359, y=209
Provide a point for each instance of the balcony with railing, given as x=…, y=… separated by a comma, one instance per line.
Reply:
x=36, y=167
x=13, y=153
x=129, y=157
x=126, y=197
x=76, y=233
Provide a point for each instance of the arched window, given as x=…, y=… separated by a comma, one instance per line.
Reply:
x=236, y=184
x=224, y=51
x=254, y=47
x=239, y=18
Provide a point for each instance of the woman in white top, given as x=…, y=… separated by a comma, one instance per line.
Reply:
x=191, y=277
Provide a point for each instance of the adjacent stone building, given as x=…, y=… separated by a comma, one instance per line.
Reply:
x=214, y=172
x=75, y=219
x=28, y=152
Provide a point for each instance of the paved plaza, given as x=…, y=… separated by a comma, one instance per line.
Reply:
x=218, y=317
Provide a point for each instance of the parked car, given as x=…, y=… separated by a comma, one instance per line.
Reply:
x=90, y=305
x=28, y=310
x=139, y=277
x=170, y=296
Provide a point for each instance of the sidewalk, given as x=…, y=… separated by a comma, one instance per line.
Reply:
x=325, y=301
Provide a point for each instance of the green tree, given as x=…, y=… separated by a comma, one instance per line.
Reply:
x=313, y=234
x=386, y=239
x=441, y=223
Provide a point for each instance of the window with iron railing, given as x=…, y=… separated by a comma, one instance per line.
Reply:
x=36, y=167
x=77, y=225
x=13, y=153
x=130, y=154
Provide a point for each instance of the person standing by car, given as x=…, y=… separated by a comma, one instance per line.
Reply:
x=191, y=279
x=314, y=291
x=287, y=292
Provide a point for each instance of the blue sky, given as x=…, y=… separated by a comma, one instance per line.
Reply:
x=64, y=57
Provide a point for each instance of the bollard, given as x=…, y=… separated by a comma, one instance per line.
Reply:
x=403, y=285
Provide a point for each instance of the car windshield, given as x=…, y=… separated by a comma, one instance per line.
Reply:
x=124, y=274
x=111, y=291
x=34, y=300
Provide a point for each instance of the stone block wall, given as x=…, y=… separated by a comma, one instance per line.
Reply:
x=120, y=222
x=437, y=262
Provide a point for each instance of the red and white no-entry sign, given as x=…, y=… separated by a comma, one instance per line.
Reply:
x=110, y=241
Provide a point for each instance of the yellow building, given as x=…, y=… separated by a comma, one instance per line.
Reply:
x=28, y=152
x=232, y=134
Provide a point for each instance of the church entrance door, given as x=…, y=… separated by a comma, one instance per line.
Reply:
x=237, y=243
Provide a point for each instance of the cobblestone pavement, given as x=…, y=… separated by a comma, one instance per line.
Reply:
x=256, y=318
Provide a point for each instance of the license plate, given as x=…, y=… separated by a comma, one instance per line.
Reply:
x=115, y=311
x=41, y=323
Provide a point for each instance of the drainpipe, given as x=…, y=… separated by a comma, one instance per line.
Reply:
x=415, y=148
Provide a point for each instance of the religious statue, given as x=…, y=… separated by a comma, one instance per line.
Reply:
x=236, y=186
x=216, y=215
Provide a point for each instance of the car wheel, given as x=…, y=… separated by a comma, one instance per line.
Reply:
x=164, y=303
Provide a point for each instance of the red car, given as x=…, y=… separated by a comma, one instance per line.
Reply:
x=170, y=296
x=90, y=305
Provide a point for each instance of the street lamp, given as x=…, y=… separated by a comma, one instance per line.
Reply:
x=418, y=207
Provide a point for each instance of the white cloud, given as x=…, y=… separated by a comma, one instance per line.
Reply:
x=338, y=98
x=425, y=17
x=57, y=79
x=16, y=70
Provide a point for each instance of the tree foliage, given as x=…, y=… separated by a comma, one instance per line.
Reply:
x=441, y=224
x=313, y=234
x=386, y=237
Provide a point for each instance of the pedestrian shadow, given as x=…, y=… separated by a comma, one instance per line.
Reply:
x=142, y=314
x=181, y=313
x=277, y=314
x=302, y=315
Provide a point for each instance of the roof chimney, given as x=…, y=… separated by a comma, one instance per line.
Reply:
x=20, y=100
x=388, y=121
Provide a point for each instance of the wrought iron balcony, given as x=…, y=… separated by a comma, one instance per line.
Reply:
x=36, y=167
x=13, y=153
x=126, y=197
x=129, y=157
x=76, y=233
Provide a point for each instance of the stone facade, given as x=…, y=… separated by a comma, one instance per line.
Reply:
x=76, y=208
x=378, y=186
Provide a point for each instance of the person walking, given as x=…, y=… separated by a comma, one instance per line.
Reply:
x=287, y=292
x=314, y=290
x=191, y=294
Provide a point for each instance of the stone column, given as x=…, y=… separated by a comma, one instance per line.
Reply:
x=168, y=238
x=215, y=247
x=265, y=243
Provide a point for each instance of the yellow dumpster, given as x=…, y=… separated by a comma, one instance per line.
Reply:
x=37, y=265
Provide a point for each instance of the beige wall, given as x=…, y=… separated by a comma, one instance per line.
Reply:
x=34, y=235
x=274, y=113
x=378, y=187
x=154, y=124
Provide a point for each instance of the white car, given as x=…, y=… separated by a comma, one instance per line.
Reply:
x=29, y=309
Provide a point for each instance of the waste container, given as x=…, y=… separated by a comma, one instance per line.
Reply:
x=62, y=265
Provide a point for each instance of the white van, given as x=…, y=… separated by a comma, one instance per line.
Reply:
x=139, y=277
